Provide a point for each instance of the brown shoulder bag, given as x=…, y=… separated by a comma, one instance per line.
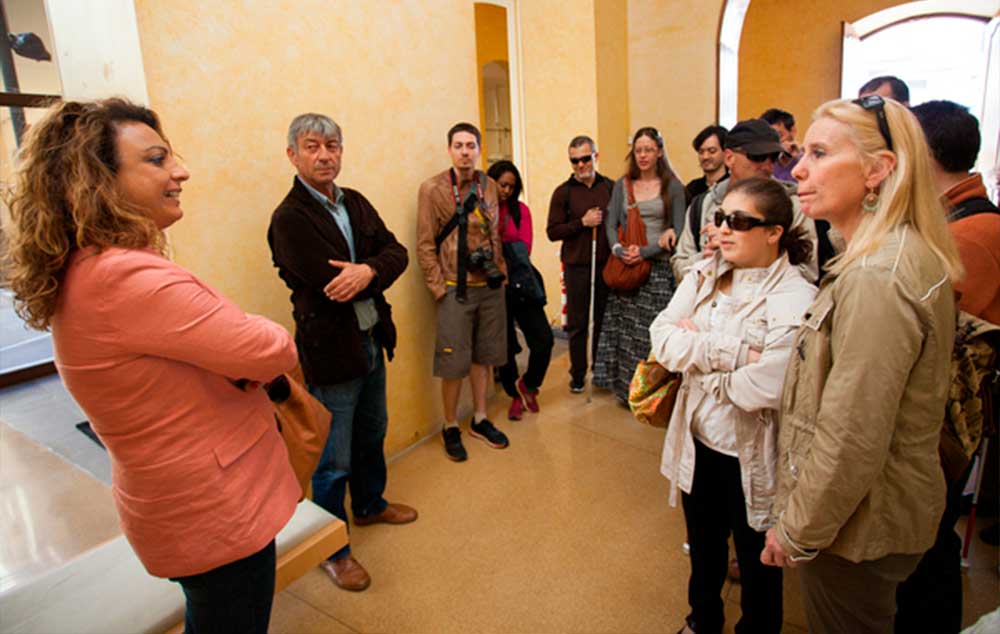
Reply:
x=617, y=274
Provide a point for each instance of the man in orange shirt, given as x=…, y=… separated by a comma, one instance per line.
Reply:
x=930, y=600
x=953, y=136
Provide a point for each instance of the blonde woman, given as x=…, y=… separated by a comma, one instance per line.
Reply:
x=860, y=489
x=200, y=475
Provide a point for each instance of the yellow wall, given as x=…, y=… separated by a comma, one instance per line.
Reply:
x=790, y=54
x=491, y=46
x=228, y=83
x=672, y=55
x=611, y=18
x=559, y=85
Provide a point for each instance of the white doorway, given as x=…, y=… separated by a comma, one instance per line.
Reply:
x=942, y=50
x=496, y=102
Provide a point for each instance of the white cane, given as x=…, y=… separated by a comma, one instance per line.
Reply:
x=590, y=320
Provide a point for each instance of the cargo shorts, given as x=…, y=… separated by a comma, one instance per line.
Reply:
x=473, y=332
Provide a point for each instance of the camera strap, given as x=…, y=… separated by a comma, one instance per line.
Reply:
x=454, y=220
x=460, y=220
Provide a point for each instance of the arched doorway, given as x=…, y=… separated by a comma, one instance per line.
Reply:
x=963, y=66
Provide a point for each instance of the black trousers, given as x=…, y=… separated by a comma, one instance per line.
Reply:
x=534, y=324
x=234, y=598
x=930, y=600
x=714, y=508
x=577, y=278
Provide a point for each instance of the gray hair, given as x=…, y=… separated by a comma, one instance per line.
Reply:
x=312, y=122
x=582, y=139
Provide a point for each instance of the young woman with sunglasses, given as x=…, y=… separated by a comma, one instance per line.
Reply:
x=729, y=331
x=659, y=195
x=515, y=226
x=860, y=487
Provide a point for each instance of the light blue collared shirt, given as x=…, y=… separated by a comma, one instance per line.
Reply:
x=364, y=309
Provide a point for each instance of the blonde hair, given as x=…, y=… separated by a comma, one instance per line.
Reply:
x=907, y=195
x=66, y=197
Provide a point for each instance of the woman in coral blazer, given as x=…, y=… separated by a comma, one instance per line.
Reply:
x=155, y=357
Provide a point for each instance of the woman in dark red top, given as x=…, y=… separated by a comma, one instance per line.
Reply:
x=515, y=226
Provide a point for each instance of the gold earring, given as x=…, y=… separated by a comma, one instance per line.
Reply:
x=870, y=203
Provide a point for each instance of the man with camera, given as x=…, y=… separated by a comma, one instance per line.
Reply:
x=337, y=256
x=458, y=247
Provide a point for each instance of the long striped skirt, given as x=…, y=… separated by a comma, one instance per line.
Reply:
x=625, y=335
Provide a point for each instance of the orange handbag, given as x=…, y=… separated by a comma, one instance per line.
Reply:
x=304, y=425
x=617, y=274
x=652, y=393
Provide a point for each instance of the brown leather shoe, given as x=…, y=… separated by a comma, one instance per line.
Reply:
x=347, y=573
x=393, y=514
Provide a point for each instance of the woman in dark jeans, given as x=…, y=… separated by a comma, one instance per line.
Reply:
x=515, y=226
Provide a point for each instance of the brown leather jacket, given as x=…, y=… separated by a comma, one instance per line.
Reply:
x=858, y=471
x=435, y=207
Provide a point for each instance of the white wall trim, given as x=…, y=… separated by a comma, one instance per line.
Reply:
x=97, y=46
x=733, y=14
x=875, y=21
x=517, y=140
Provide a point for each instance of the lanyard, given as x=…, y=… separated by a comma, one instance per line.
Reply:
x=457, y=194
x=479, y=198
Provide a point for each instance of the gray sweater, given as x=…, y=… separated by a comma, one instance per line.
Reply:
x=651, y=212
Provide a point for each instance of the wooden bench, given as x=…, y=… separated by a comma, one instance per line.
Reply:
x=106, y=589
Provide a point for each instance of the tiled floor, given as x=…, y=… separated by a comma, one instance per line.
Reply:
x=568, y=530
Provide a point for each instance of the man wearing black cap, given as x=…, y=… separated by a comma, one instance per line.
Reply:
x=751, y=149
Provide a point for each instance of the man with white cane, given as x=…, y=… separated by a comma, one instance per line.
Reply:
x=576, y=212
x=590, y=322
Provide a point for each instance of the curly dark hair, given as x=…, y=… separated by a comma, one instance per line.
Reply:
x=65, y=197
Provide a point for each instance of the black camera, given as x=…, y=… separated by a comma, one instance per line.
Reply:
x=482, y=260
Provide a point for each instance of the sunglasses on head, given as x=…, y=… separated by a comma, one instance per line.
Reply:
x=876, y=104
x=581, y=159
x=740, y=220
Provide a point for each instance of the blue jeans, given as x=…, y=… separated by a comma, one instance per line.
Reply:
x=235, y=597
x=353, y=453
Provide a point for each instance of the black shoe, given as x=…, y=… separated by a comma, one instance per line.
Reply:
x=453, y=444
x=576, y=387
x=485, y=431
x=991, y=535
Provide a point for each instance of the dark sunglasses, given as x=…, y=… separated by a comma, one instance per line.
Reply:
x=740, y=220
x=760, y=158
x=582, y=159
x=875, y=103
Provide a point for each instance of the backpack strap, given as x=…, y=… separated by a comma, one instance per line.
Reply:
x=445, y=232
x=454, y=220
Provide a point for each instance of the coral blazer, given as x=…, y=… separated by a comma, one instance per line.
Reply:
x=200, y=474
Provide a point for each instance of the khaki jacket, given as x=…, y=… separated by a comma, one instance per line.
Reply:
x=714, y=367
x=859, y=474
x=435, y=207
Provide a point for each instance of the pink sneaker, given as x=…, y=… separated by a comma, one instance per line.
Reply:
x=516, y=409
x=528, y=395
